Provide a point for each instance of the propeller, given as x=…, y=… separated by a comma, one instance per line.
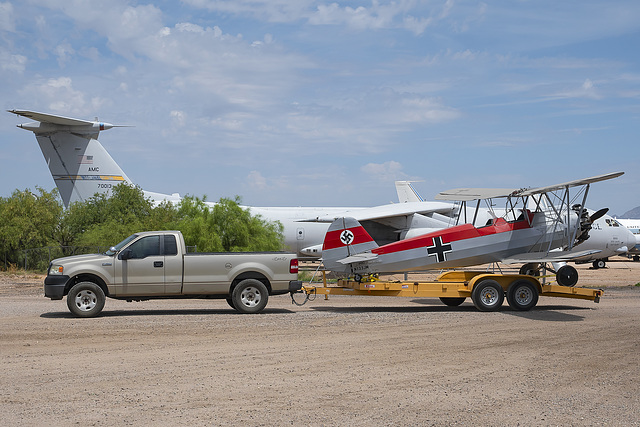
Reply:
x=586, y=221
x=598, y=214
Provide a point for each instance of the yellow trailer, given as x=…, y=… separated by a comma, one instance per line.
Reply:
x=486, y=290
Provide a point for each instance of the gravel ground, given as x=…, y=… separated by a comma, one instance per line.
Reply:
x=344, y=361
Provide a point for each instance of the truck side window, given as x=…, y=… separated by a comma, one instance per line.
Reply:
x=147, y=246
x=170, y=246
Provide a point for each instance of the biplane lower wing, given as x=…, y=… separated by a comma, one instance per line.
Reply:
x=559, y=256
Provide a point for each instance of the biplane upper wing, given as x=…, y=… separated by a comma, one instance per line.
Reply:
x=559, y=256
x=574, y=183
x=468, y=194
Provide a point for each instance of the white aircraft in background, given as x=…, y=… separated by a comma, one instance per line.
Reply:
x=632, y=225
x=81, y=167
x=607, y=235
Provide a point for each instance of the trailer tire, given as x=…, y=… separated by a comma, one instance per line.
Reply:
x=85, y=299
x=487, y=295
x=452, y=301
x=250, y=296
x=522, y=295
x=567, y=275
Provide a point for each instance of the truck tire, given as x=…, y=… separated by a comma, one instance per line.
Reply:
x=487, y=295
x=522, y=295
x=452, y=301
x=85, y=299
x=249, y=296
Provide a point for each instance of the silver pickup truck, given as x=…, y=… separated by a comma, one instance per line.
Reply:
x=155, y=264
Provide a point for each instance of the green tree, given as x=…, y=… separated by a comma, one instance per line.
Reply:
x=104, y=220
x=29, y=220
x=226, y=227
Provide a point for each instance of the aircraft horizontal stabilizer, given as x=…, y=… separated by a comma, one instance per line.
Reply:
x=368, y=256
x=559, y=256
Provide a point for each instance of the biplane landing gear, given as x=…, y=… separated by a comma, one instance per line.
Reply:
x=452, y=301
x=567, y=275
x=531, y=269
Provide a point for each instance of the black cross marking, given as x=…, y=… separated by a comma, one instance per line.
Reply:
x=439, y=249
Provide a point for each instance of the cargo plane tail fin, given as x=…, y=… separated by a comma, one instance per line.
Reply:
x=79, y=164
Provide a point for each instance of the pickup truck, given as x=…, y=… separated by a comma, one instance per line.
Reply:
x=155, y=264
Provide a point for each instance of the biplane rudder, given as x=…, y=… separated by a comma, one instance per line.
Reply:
x=345, y=237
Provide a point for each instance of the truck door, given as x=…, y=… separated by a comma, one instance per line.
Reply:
x=143, y=272
x=172, y=265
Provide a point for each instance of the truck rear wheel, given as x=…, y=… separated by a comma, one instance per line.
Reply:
x=487, y=295
x=452, y=301
x=250, y=296
x=522, y=295
x=85, y=299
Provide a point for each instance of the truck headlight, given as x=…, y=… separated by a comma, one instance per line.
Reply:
x=56, y=270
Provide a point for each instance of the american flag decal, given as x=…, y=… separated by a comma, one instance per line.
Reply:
x=85, y=160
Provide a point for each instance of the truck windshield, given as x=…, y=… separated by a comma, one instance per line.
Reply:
x=114, y=249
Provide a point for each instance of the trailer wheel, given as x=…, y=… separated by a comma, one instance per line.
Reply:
x=250, y=296
x=567, y=275
x=452, y=301
x=85, y=299
x=522, y=295
x=487, y=295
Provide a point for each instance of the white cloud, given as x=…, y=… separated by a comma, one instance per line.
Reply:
x=6, y=17
x=12, y=63
x=256, y=181
x=386, y=172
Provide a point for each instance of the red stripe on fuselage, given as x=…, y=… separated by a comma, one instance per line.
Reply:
x=332, y=238
x=453, y=234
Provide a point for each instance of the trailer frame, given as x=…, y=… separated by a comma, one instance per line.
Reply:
x=487, y=290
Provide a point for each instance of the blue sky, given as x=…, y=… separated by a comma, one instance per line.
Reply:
x=314, y=103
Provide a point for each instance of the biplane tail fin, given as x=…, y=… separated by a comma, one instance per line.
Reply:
x=346, y=242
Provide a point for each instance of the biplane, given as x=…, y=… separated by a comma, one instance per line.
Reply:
x=536, y=226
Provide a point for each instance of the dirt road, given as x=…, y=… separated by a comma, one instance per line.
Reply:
x=345, y=361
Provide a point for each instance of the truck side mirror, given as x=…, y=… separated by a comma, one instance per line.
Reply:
x=125, y=255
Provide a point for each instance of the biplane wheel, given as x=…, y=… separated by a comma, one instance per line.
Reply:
x=567, y=275
x=522, y=295
x=530, y=269
x=452, y=301
x=487, y=295
x=357, y=277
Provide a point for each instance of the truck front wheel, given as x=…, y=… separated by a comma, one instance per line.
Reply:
x=85, y=299
x=250, y=296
